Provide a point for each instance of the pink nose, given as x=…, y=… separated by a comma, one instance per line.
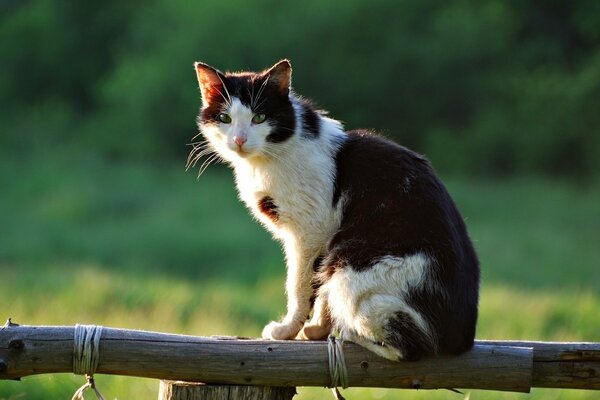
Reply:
x=240, y=140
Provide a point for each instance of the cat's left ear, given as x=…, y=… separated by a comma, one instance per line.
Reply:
x=211, y=81
x=280, y=75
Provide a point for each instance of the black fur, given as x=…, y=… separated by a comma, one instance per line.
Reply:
x=404, y=333
x=311, y=122
x=267, y=206
x=315, y=283
x=397, y=206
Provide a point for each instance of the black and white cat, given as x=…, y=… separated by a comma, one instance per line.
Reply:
x=375, y=247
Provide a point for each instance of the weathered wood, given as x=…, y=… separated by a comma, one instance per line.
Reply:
x=569, y=365
x=496, y=365
x=259, y=362
x=178, y=390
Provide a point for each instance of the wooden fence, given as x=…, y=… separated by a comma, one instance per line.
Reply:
x=271, y=369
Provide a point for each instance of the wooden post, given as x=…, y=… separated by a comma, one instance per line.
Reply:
x=178, y=390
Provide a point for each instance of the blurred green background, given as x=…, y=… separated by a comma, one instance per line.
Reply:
x=101, y=224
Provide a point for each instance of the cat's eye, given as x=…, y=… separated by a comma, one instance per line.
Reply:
x=224, y=118
x=259, y=118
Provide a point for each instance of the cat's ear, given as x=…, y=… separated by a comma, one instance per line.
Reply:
x=211, y=81
x=280, y=75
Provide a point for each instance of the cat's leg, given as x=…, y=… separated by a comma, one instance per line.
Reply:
x=319, y=327
x=299, y=292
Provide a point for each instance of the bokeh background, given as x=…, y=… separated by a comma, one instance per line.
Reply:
x=101, y=224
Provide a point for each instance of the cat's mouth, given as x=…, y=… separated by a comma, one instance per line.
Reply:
x=244, y=152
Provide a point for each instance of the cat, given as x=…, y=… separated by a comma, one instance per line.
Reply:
x=375, y=247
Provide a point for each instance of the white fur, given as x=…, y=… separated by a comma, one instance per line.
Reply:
x=299, y=175
x=221, y=136
x=362, y=302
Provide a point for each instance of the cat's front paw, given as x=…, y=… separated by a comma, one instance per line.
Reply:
x=314, y=332
x=281, y=330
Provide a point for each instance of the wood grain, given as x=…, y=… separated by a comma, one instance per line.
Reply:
x=571, y=365
x=177, y=390
x=495, y=365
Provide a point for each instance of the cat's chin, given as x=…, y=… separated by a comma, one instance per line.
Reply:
x=243, y=153
x=249, y=155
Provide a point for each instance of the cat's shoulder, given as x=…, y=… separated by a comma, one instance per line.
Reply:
x=366, y=149
x=369, y=162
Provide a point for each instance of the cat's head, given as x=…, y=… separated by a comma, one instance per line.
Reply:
x=246, y=114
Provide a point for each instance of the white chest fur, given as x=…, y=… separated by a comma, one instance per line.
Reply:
x=300, y=181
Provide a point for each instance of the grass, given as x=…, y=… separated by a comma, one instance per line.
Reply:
x=145, y=247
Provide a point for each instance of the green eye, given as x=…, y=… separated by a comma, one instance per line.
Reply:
x=225, y=118
x=259, y=118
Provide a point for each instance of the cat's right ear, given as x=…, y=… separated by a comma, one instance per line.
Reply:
x=280, y=74
x=211, y=81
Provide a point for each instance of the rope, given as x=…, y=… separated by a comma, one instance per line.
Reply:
x=337, y=366
x=89, y=384
x=86, y=355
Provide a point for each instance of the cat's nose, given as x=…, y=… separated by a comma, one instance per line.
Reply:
x=239, y=140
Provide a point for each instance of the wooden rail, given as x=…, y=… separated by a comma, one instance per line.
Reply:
x=494, y=365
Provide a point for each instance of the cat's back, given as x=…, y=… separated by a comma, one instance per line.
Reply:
x=388, y=182
x=394, y=197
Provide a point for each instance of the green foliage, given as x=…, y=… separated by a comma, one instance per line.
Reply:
x=489, y=87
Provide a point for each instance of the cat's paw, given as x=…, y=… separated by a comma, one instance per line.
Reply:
x=379, y=348
x=281, y=330
x=314, y=332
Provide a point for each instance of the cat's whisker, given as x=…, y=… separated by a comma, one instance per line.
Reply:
x=190, y=156
x=196, y=154
x=252, y=102
x=227, y=102
x=194, y=158
x=204, y=149
x=192, y=163
x=198, y=145
x=204, y=153
x=261, y=90
x=226, y=91
x=260, y=104
x=195, y=150
x=197, y=134
x=206, y=163
x=199, y=152
x=285, y=128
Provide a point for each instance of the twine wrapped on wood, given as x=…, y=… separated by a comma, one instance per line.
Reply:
x=86, y=356
x=337, y=366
